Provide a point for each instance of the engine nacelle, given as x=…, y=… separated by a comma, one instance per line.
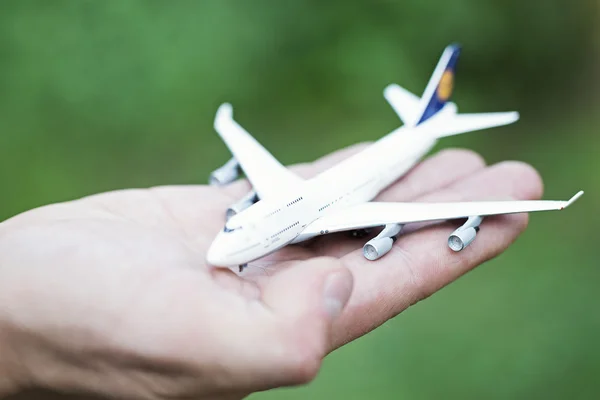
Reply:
x=377, y=248
x=461, y=238
x=464, y=236
x=241, y=205
x=382, y=243
x=226, y=174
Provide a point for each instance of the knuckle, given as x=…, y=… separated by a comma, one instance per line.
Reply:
x=303, y=369
x=302, y=357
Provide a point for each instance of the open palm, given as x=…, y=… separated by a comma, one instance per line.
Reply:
x=111, y=293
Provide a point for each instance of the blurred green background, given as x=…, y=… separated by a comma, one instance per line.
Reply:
x=101, y=95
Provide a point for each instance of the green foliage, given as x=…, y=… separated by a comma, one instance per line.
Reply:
x=98, y=95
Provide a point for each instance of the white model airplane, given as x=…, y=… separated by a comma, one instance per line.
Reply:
x=283, y=208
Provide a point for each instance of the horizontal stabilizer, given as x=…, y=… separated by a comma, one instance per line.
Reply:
x=405, y=104
x=455, y=124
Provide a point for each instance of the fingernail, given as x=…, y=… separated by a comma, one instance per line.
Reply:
x=338, y=287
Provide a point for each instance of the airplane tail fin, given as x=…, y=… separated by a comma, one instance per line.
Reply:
x=414, y=111
x=440, y=86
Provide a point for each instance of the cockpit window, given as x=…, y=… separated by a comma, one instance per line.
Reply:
x=226, y=229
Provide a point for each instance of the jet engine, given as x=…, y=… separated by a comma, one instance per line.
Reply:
x=381, y=244
x=464, y=236
x=226, y=174
x=241, y=205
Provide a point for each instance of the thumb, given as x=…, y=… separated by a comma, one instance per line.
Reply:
x=317, y=290
x=306, y=299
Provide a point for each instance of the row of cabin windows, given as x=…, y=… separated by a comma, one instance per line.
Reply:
x=286, y=229
x=327, y=205
x=273, y=212
x=341, y=197
x=295, y=201
x=324, y=207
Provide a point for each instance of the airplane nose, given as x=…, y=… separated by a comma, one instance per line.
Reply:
x=216, y=252
x=228, y=250
x=211, y=256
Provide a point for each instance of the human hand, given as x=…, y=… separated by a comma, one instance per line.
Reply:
x=110, y=294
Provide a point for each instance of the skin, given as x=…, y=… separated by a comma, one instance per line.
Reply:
x=110, y=294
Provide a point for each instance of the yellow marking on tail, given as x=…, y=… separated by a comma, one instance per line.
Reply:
x=446, y=85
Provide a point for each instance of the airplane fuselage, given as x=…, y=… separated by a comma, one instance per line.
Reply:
x=272, y=223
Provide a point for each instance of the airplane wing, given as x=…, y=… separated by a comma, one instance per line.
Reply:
x=267, y=175
x=367, y=215
x=454, y=124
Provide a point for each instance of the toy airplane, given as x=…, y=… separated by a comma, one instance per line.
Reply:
x=283, y=208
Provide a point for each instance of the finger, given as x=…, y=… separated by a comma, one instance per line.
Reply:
x=434, y=173
x=421, y=263
x=305, y=300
